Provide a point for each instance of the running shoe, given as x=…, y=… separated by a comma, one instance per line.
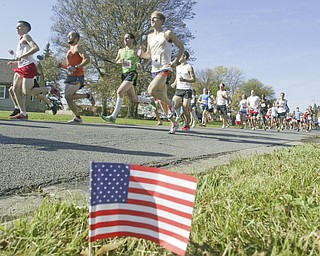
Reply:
x=174, y=128
x=109, y=119
x=153, y=103
x=16, y=111
x=90, y=97
x=19, y=116
x=54, y=90
x=54, y=109
x=75, y=120
x=186, y=128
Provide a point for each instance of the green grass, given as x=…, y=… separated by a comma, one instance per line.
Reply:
x=266, y=204
x=262, y=205
x=48, y=117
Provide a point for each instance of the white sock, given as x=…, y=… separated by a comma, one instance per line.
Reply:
x=24, y=113
x=144, y=99
x=117, y=108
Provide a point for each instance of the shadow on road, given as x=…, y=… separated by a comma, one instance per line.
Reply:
x=52, y=145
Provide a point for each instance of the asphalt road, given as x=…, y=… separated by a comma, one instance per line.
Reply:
x=35, y=153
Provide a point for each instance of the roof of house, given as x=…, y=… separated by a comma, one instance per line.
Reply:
x=6, y=73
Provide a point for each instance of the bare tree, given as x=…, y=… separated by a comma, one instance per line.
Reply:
x=211, y=78
x=102, y=25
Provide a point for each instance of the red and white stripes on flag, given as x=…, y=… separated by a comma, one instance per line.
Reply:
x=142, y=202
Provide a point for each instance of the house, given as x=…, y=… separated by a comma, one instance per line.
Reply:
x=6, y=76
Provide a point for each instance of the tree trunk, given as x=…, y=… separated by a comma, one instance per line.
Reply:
x=132, y=110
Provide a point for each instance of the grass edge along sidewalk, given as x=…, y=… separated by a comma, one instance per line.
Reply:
x=63, y=118
x=262, y=205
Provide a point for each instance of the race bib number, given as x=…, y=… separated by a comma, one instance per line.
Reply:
x=263, y=105
x=156, y=60
x=127, y=64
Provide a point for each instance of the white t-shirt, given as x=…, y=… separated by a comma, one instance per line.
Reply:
x=253, y=102
x=220, y=99
x=243, y=105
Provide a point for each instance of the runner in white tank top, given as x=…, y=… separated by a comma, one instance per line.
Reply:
x=22, y=49
x=183, y=84
x=25, y=71
x=159, y=50
x=253, y=104
x=282, y=105
x=222, y=99
x=185, y=74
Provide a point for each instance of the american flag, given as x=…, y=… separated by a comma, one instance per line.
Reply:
x=142, y=202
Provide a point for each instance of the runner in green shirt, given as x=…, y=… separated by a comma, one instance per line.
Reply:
x=130, y=63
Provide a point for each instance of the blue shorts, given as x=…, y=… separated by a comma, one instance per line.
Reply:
x=165, y=72
x=74, y=80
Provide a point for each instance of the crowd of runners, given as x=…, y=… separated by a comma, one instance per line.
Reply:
x=295, y=120
x=258, y=113
x=254, y=112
